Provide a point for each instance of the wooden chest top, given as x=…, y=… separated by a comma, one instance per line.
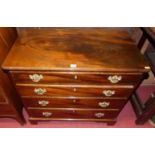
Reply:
x=80, y=49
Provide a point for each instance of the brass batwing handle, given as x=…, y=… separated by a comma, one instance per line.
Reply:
x=104, y=104
x=46, y=114
x=43, y=103
x=40, y=91
x=36, y=77
x=99, y=115
x=109, y=93
x=115, y=78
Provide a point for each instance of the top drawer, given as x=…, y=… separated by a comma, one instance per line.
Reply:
x=75, y=78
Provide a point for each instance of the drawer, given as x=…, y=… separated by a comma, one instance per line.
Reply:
x=74, y=103
x=74, y=91
x=72, y=113
x=6, y=110
x=75, y=78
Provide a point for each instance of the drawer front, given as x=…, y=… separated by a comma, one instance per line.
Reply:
x=74, y=103
x=72, y=114
x=59, y=91
x=75, y=78
x=5, y=109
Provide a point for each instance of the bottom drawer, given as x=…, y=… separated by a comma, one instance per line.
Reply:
x=72, y=113
x=6, y=110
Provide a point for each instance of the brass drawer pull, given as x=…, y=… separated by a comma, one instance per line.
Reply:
x=75, y=77
x=73, y=65
x=40, y=91
x=36, y=77
x=115, y=78
x=104, y=104
x=46, y=114
x=43, y=103
x=108, y=92
x=99, y=115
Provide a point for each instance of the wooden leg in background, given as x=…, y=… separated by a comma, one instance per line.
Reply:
x=152, y=121
x=143, y=113
x=141, y=41
x=148, y=111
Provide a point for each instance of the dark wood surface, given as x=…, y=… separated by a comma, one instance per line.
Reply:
x=94, y=103
x=90, y=49
x=75, y=65
x=73, y=113
x=10, y=105
x=91, y=78
x=74, y=91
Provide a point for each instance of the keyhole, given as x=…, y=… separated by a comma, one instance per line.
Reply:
x=74, y=101
x=74, y=89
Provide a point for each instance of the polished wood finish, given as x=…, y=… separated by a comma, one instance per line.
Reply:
x=75, y=78
x=71, y=70
x=110, y=122
x=91, y=49
x=72, y=113
x=94, y=103
x=10, y=104
x=76, y=91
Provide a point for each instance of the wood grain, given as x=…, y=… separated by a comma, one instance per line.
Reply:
x=62, y=113
x=69, y=91
x=93, y=78
x=74, y=102
x=75, y=64
x=90, y=49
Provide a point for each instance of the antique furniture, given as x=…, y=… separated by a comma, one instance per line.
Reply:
x=10, y=105
x=146, y=111
x=80, y=74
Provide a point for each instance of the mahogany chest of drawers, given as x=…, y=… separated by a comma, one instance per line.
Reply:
x=79, y=74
